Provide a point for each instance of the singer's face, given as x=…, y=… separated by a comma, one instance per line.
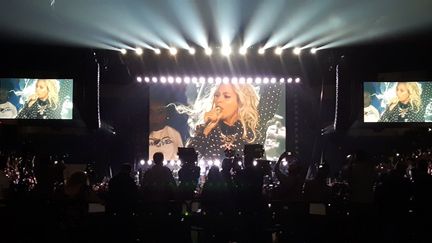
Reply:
x=41, y=90
x=402, y=93
x=226, y=99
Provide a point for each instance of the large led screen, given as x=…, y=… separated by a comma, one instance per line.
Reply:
x=28, y=98
x=397, y=102
x=213, y=118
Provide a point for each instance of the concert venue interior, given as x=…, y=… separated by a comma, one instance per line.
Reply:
x=215, y=121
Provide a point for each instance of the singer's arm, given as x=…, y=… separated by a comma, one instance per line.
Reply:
x=211, y=119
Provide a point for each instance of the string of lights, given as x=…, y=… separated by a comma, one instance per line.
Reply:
x=216, y=80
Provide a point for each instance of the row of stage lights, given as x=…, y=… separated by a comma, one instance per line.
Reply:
x=224, y=51
x=202, y=163
x=216, y=80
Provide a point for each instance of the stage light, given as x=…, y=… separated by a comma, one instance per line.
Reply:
x=242, y=80
x=313, y=50
x=149, y=162
x=217, y=163
x=218, y=80
x=192, y=51
x=289, y=80
x=255, y=163
x=186, y=80
x=265, y=80
x=123, y=51
x=178, y=80
x=297, y=51
x=234, y=80
x=208, y=51
x=147, y=79
x=297, y=80
x=170, y=80
x=139, y=79
x=249, y=80
x=239, y=163
x=173, y=51
x=202, y=80
x=258, y=80
x=226, y=50
x=278, y=50
x=210, y=80
x=194, y=80
x=154, y=80
x=261, y=51
x=157, y=51
x=273, y=80
x=243, y=50
x=142, y=162
x=282, y=80
x=139, y=51
x=225, y=80
x=201, y=162
x=163, y=80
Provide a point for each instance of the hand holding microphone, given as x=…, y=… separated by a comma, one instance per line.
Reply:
x=212, y=116
x=211, y=119
x=32, y=99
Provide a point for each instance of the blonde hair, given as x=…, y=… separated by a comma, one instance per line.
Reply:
x=414, y=91
x=247, y=99
x=248, y=109
x=53, y=88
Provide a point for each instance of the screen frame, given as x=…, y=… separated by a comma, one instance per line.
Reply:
x=79, y=91
x=285, y=86
x=74, y=98
x=382, y=125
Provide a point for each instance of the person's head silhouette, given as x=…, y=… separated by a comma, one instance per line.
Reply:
x=126, y=168
x=158, y=158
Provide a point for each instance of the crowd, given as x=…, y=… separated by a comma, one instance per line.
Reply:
x=373, y=198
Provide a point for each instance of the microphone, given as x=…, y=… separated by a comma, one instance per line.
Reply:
x=218, y=111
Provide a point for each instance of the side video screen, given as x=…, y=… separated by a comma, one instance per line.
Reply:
x=25, y=98
x=397, y=102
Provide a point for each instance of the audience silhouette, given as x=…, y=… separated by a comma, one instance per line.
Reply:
x=188, y=175
x=234, y=204
x=123, y=192
x=158, y=183
x=291, y=185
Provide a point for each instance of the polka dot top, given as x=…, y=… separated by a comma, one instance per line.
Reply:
x=39, y=110
x=231, y=137
x=402, y=113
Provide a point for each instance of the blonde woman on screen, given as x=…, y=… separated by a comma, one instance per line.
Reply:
x=406, y=106
x=43, y=104
x=233, y=115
